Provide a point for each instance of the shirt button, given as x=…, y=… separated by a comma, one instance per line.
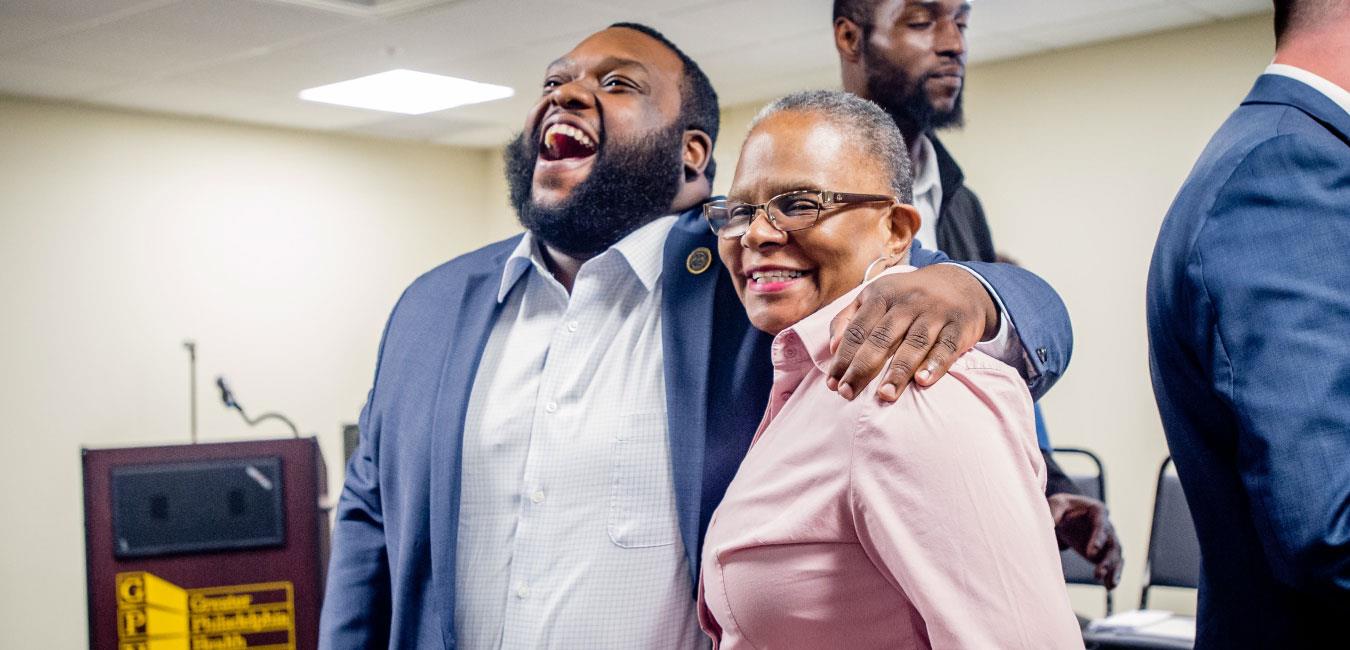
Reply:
x=551, y=407
x=537, y=497
x=522, y=591
x=572, y=326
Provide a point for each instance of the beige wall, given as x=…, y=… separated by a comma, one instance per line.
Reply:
x=1076, y=155
x=122, y=234
x=281, y=253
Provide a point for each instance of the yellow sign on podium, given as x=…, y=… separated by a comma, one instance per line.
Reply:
x=155, y=614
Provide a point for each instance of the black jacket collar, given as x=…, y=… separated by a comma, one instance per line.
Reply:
x=949, y=173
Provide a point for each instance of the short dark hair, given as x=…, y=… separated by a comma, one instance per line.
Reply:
x=698, y=101
x=859, y=12
x=1297, y=14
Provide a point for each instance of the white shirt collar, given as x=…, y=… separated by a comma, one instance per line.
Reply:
x=1335, y=93
x=927, y=167
x=927, y=192
x=643, y=249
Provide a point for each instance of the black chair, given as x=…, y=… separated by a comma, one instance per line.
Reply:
x=1173, y=547
x=1173, y=561
x=1077, y=570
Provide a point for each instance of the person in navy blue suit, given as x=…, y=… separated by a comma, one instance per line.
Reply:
x=1249, y=346
x=611, y=315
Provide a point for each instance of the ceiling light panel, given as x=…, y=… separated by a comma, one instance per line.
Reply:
x=406, y=91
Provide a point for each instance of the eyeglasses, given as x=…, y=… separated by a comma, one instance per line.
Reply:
x=796, y=210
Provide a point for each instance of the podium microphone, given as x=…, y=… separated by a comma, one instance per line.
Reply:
x=227, y=396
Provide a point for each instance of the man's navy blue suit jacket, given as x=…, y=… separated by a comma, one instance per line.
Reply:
x=391, y=579
x=1249, y=345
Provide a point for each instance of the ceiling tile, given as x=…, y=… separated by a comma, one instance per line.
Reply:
x=212, y=101
x=417, y=41
x=417, y=127
x=643, y=10
x=183, y=34
x=1230, y=8
x=1011, y=16
x=760, y=23
x=470, y=29
x=55, y=81
x=26, y=21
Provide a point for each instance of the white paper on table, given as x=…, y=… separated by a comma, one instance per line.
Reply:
x=1175, y=627
x=1131, y=620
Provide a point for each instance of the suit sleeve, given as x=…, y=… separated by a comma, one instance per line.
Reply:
x=946, y=498
x=1037, y=313
x=357, y=604
x=1274, y=274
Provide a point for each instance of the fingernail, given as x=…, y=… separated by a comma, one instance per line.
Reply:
x=832, y=383
x=846, y=391
x=924, y=374
x=887, y=392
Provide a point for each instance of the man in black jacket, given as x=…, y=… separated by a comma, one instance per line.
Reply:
x=909, y=56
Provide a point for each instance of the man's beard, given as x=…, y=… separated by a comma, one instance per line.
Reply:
x=631, y=183
x=907, y=99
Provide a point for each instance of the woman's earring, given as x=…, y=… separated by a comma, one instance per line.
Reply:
x=868, y=273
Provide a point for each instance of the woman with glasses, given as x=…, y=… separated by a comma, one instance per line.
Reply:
x=865, y=524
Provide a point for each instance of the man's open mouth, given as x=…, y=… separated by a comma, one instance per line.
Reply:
x=563, y=141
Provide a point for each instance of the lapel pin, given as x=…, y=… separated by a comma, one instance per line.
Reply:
x=699, y=260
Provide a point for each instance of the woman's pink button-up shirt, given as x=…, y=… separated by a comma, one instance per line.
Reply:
x=858, y=524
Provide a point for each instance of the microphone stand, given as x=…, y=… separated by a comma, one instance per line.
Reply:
x=191, y=347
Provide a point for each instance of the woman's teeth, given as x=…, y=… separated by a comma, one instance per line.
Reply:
x=775, y=276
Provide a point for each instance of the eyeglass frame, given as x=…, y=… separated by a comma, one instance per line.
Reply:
x=828, y=200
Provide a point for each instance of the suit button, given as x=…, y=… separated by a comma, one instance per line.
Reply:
x=1041, y=354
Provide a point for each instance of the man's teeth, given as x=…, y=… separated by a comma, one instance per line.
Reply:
x=775, y=276
x=571, y=132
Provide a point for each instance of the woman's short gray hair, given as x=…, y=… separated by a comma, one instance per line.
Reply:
x=873, y=127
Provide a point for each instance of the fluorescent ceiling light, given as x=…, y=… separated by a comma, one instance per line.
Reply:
x=406, y=91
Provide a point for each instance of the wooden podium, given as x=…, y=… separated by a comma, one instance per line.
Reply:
x=206, y=547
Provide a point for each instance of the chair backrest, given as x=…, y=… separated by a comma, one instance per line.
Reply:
x=1173, y=547
x=1077, y=570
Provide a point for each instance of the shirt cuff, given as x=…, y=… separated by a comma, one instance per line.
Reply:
x=1006, y=345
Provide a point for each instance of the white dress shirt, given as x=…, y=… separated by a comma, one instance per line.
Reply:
x=1322, y=85
x=568, y=535
x=927, y=193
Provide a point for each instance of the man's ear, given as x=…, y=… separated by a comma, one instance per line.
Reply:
x=848, y=39
x=904, y=225
x=696, y=154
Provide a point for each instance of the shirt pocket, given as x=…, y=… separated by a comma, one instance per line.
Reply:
x=642, y=496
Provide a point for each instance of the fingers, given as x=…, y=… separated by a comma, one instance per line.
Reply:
x=1101, y=533
x=922, y=321
x=1104, y=548
x=1108, y=569
x=858, y=341
x=911, y=359
x=906, y=353
x=839, y=323
x=946, y=348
